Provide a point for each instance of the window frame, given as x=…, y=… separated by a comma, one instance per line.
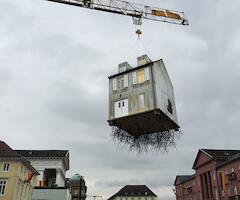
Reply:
x=144, y=101
x=3, y=186
x=140, y=76
x=6, y=167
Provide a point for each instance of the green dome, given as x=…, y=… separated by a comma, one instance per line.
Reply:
x=75, y=178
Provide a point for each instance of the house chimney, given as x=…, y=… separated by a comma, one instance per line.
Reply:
x=122, y=67
x=142, y=60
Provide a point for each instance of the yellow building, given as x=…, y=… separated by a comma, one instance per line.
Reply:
x=17, y=176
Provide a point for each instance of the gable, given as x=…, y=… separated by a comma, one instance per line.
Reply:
x=201, y=159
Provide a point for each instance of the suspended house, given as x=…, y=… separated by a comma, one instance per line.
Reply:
x=141, y=99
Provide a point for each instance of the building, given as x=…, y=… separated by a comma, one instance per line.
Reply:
x=140, y=93
x=217, y=176
x=134, y=192
x=17, y=175
x=51, y=165
x=78, y=188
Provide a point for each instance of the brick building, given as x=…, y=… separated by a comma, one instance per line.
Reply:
x=217, y=176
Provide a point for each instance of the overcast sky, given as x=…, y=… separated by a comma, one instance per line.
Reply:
x=54, y=63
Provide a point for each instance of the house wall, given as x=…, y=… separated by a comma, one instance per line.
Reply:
x=163, y=90
x=41, y=164
x=131, y=93
x=17, y=188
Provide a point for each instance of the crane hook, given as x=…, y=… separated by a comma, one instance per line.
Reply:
x=138, y=32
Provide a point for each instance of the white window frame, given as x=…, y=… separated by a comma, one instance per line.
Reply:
x=114, y=84
x=120, y=82
x=6, y=167
x=125, y=81
x=3, y=186
x=134, y=77
x=142, y=104
x=146, y=75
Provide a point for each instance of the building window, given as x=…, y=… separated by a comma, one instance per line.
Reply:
x=120, y=82
x=169, y=107
x=6, y=167
x=141, y=75
x=3, y=184
x=141, y=101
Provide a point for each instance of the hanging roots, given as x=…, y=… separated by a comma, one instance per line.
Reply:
x=158, y=141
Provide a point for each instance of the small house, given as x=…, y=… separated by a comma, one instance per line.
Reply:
x=141, y=99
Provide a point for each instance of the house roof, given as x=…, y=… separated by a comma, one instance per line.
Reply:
x=43, y=153
x=219, y=155
x=46, y=154
x=7, y=153
x=134, y=190
x=183, y=178
x=229, y=160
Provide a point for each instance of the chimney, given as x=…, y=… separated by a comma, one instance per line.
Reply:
x=122, y=67
x=142, y=60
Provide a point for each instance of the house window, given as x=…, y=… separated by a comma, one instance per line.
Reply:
x=6, y=167
x=141, y=101
x=140, y=76
x=169, y=107
x=2, y=187
x=120, y=82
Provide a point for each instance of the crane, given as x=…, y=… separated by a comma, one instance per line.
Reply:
x=134, y=10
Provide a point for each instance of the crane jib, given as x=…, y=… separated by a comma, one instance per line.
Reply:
x=145, y=12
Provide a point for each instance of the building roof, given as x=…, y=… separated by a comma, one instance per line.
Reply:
x=7, y=153
x=183, y=178
x=134, y=68
x=46, y=154
x=134, y=190
x=221, y=154
x=218, y=155
x=229, y=160
x=43, y=153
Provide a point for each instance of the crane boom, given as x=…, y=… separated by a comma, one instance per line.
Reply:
x=137, y=11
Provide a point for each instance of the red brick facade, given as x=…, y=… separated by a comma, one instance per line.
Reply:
x=217, y=177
